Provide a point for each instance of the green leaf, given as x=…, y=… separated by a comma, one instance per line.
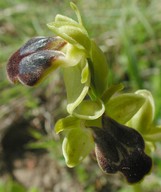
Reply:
x=89, y=110
x=123, y=107
x=99, y=69
x=76, y=91
x=67, y=123
x=77, y=145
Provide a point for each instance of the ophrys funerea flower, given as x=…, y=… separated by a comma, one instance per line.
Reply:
x=35, y=59
x=93, y=111
x=121, y=148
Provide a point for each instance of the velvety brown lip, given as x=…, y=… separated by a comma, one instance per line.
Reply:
x=120, y=148
x=26, y=54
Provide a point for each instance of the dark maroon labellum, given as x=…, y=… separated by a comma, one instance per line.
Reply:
x=36, y=66
x=27, y=64
x=120, y=148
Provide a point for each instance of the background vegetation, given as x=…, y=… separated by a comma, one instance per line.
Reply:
x=128, y=31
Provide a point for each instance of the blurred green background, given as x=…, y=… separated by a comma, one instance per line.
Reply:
x=129, y=32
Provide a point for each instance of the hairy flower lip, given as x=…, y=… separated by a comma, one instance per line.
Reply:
x=34, y=67
x=36, y=45
x=120, y=148
x=42, y=43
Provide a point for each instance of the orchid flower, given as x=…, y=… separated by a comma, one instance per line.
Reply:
x=97, y=114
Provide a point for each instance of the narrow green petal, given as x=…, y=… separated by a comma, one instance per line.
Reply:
x=123, y=107
x=67, y=123
x=77, y=145
x=85, y=74
x=71, y=106
x=89, y=110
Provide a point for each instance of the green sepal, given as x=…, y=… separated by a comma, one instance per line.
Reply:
x=77, y=144
x=76, y=90
x=99, y=69
x=67, y=123
x=65, y=19
x=89, y=110
x=71, y=33
x=123, y=107
x=143, y=119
